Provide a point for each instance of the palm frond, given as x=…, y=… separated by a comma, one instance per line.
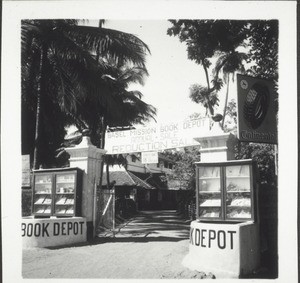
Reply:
x=121, y=46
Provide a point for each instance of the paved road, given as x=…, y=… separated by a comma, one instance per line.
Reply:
x=163, y=225
x=151, y=246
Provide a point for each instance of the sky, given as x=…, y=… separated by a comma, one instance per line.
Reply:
x=171, y=73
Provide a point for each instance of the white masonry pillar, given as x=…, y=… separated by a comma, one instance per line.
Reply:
x=240, y=258
x=88, y=158
x=216, y=145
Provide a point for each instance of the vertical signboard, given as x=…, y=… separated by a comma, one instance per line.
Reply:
x=150, y=157
x=256, y=110
x=26, y=170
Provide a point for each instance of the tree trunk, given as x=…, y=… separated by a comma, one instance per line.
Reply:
x=210, y=108
x=107, y=176
x=226, y=101
x=102, y=120
x=101, y=145
x=39, y=109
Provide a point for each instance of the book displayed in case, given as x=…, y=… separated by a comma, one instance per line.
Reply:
x=57, y=192
x=226, y=191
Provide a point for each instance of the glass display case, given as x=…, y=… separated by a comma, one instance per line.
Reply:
x=57, y=192
x=226, y=191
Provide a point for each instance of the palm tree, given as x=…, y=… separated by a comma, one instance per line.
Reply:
x=229, y=63
x=58, y=63
x=128, y=108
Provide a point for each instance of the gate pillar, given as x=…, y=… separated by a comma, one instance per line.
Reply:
x=87, y=157
x=216, y=145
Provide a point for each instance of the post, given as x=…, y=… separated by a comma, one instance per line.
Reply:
x=95, y=209
x=89, y=158
x=114, y=207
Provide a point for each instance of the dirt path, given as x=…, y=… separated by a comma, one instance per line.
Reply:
x=151, y=246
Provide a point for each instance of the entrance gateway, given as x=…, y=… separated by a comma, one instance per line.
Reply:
x=224, y=240
x=216, y=244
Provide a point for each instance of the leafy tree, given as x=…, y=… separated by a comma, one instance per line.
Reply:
x=263, y=154
x=229, y=63
x=263, y=54
x=60, y=70
x=184, y=168
x=203, y=39
x=129, y=108
x=222, y=40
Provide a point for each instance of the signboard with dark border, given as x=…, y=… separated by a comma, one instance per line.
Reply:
x=256, y=110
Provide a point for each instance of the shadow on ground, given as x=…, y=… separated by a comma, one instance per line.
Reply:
x=146, y=226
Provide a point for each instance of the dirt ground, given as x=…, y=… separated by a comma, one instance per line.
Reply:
x=151, y=245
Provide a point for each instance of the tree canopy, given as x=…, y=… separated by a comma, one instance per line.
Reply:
x=64, y=77
x=250, y=47
x=222, y=40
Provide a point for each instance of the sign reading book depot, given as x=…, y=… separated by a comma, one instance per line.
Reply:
x=49, y=232
x=156, y=138
x=230, y=249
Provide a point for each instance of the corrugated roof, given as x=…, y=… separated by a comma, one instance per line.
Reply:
x=154, y=179
x=140, y=182
x=125, y=178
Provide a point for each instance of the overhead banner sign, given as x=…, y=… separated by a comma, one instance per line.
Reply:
x=256, y=110
x=156, y=138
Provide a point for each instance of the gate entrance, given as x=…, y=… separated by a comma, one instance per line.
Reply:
x=105, y=218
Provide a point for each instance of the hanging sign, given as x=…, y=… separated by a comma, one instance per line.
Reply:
x=25, y=170
x=156, y=138
x=256, y=110
x=149, y=157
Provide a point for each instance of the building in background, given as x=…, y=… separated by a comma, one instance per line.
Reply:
x=146, y=184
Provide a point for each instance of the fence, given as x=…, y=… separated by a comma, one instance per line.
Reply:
x=105, y=220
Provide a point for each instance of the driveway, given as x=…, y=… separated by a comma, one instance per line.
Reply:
x=150, y=246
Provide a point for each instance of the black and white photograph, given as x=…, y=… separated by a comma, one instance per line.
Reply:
x=149, y=141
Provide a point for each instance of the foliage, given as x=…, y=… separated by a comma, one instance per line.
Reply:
x=204, y=39
x=263, y=154
x=184, y=169
x=60, y=70
x=222, y=39
x=199, y=93
x=129, y=108
x=263, y=42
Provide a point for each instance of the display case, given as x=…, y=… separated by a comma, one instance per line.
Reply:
x=57, y=192
x=226, y=191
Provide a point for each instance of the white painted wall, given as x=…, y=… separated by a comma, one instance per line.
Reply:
x=226, y=250
x=49, y=232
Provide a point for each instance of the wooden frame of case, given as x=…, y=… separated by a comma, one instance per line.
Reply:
x=223, y=190
x=53, y=174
